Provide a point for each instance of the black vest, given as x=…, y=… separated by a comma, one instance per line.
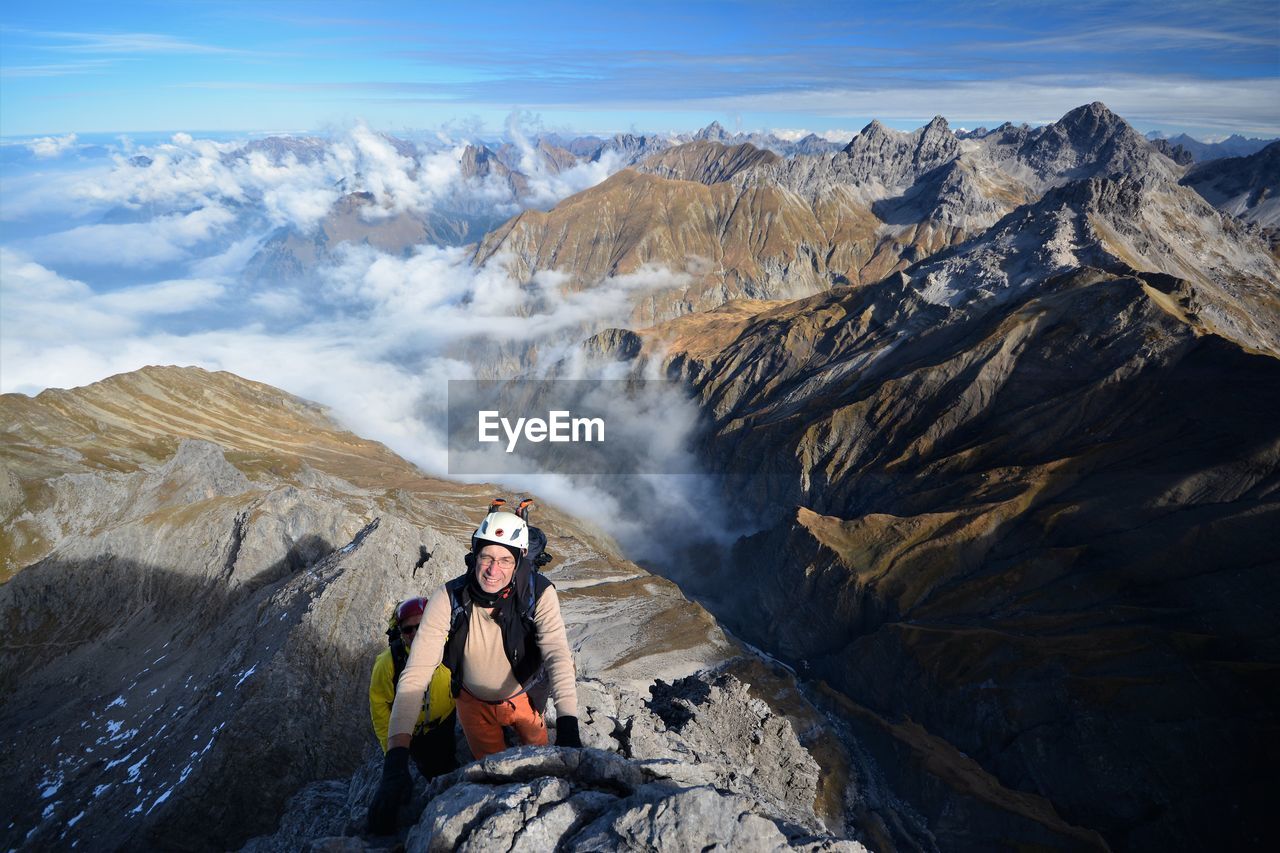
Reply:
x=519, y=634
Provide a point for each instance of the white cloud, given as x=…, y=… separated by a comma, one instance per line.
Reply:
x=138, y=245
x=42, y=308
x=374, y=337
x=165, y=297
x=548, y=185
x=790, y=135
x=47, y=147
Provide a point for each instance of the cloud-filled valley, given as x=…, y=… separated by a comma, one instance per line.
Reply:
x=135, y=254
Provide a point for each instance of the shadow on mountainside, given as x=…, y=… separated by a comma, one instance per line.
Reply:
x=143, y=709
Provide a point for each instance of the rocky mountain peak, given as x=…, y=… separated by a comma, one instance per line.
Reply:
x=883, y=157
x=1086, y=142
x=1092, y=123
x=937, y=124
x=873, y=128
x=713, y=132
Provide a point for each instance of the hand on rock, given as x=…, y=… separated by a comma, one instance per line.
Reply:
x=567, y=732
x=393, y=791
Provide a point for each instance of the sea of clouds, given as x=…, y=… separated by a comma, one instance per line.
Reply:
x=119, y=254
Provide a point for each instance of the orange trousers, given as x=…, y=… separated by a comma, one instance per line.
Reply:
x=482, y=723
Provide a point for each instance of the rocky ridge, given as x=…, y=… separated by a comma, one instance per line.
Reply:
x=700, y=763
x=207, y=614
x=739, y=225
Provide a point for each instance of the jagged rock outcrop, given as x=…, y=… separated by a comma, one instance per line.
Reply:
x=701, y=763
x=1176, y=153
x=630, y=148
x=543, y=799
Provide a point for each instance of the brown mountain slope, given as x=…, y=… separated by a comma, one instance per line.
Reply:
x=723, y=241
x=1039, y=527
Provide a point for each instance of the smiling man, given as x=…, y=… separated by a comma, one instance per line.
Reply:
x=499, y=630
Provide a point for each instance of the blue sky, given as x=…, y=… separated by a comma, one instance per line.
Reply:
x=1211, y=68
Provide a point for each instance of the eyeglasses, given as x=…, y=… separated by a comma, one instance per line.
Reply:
x=408, y=630
x=486, y=561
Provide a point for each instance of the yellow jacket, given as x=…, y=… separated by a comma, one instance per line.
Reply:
x=382, y=694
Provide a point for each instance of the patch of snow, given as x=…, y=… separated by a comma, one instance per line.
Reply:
x=97, y=791
x=119, y=700
x=124, y=736
x=213, y=734
x=160, y=799
x=48, y=810
x=75, y=819
x=248, y=673
x=134, y=768
x=50, y=789
x=113, y=726
x=157, y=660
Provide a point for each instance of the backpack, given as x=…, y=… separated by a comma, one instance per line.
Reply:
x=519, y=634
x=399, y=654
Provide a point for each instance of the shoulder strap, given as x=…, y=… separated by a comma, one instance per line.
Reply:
x=459, y=624
x=538, y=583
x=399, y=657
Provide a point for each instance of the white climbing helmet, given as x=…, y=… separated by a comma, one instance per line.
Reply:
x=502, y=528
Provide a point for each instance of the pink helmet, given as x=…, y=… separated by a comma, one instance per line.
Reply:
x=410, y=607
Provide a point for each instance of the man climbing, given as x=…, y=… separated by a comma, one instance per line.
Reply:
x=499, y=630
x=433, y=744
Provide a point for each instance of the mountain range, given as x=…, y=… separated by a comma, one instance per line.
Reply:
x=997, y=413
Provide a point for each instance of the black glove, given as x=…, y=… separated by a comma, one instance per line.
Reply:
x=567, y=732
x=394, y=790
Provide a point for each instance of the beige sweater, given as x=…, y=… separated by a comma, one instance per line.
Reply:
x=487, y=672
